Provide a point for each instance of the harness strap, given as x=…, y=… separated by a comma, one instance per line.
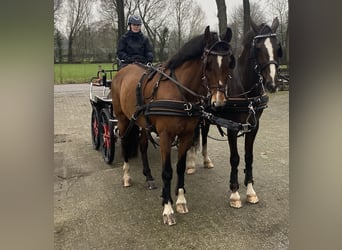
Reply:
x=173, y=108
x=149, y=65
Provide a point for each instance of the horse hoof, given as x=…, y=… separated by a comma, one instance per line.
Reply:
x=182, y=208
x=208, y=164
x=235, y=203
x=252, y=199
x=151, y=185
x=191, y=170
x=169, y=219
x=127, y=182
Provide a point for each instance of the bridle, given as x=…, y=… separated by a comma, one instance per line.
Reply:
x=211, y=51
x=260, y=67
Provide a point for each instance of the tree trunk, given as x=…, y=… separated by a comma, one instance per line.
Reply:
x=222, y=15
x=70, y=55
x=121, y=17
x=288, y=46
x=246, y=16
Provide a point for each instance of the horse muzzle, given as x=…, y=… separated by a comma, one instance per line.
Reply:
x=218, y=99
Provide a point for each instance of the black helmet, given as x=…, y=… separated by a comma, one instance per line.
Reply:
x=134, y=20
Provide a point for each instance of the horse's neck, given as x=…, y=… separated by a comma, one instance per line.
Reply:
x=247, y=74
x=190, y=75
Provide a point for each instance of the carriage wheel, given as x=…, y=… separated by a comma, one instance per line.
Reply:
x=107, y=139
x=95, y=135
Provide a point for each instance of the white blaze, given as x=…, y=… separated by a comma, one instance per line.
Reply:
x=219, y=61
x=269, y=48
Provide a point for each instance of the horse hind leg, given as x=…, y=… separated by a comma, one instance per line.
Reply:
x=129, y=144
x=207, y=163
x=146, y=167
x=191, y=160
x=191, y=154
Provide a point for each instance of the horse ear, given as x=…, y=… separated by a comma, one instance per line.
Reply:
x=255, y=27
x=207, y=37
x=228, y=35
x=275, y=24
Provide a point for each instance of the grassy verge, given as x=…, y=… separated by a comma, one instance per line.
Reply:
x=81, y=73
x=77, y=73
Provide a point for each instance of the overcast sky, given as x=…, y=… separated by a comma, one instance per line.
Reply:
x=210, y=9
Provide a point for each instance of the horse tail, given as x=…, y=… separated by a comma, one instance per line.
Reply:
x=130, y=143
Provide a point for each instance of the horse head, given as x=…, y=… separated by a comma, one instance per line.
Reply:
x=218, y=64
x=266, y=52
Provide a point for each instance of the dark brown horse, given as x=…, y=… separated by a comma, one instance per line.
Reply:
x=256, y=73
x=168, y=101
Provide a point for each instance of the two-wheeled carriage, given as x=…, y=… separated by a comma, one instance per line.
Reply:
x=104, y=132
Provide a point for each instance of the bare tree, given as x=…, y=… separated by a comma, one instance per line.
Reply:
x=77, y=12
x=280, y=9
x=57, y=4
x=246, y=16
x=58, y=46
x=237, y=24
x=121, y=17
x=196, y=22
x=222, y=15
x=181, y=10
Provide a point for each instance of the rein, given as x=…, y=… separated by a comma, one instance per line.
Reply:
x=150, y=66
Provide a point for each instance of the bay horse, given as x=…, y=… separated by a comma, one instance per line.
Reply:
x=256, y=74
x=167, y=100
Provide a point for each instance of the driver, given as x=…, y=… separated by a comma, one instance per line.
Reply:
x=134, y=46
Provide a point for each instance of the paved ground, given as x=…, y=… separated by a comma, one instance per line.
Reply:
x=93, y=211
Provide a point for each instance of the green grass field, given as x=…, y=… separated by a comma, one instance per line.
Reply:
x=77, y=73
x=81, y=73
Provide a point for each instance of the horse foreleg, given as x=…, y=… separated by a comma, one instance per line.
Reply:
x=234, y=200
x=181, y=205
x=165, y=150
x=146, y=167
x=249, y=182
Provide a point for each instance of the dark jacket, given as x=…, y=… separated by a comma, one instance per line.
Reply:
x=134, y=47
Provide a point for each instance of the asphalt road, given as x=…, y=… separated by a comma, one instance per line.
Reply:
x=93, y=211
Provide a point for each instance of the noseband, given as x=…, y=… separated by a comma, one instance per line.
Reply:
x=211, y=51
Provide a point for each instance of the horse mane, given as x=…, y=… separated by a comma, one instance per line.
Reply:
x=192, y=49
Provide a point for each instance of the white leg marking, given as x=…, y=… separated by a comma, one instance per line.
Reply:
x=181, y=202
x=235, y=200
x=190, y=161
x=251, y=195
x=269, y=48
x=168, y=214
x=127, y=181
x=206, y=160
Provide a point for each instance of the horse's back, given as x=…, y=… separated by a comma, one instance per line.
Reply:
x=124, y=89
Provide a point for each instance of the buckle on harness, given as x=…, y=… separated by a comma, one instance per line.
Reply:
x=188, y=107
x=246, y=127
